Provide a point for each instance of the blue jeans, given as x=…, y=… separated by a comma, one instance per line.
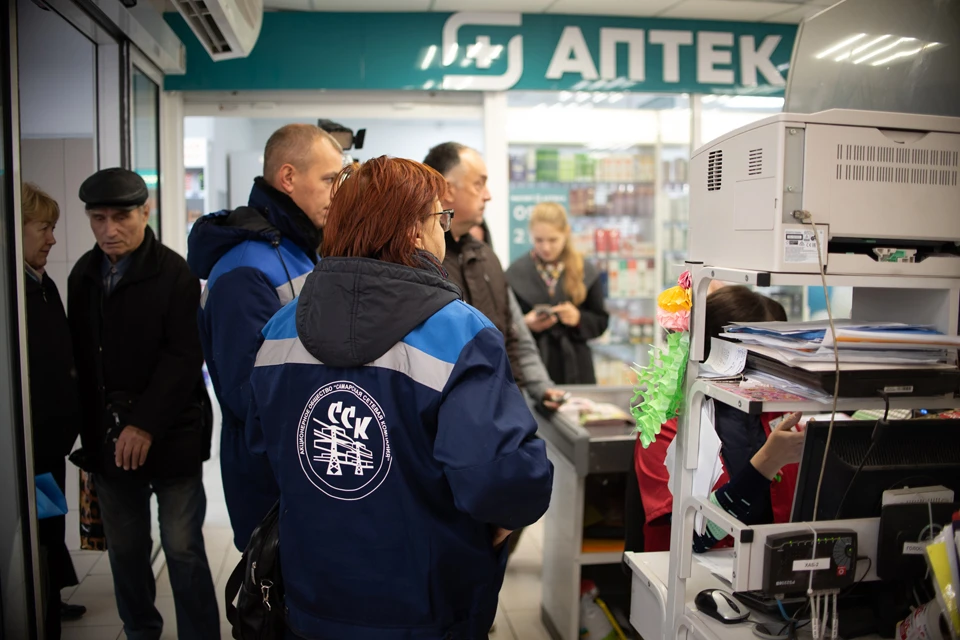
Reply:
x=125, y=509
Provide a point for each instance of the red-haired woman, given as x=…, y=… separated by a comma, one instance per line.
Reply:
x=404, y=451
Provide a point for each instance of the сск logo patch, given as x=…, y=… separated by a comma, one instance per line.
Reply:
x=342, y=442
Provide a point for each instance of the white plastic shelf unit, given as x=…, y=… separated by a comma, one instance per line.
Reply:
x=926, y=300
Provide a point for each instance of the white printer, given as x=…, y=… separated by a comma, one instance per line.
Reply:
x=882, y=188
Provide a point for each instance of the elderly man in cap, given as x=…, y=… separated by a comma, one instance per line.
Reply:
x=146, y=416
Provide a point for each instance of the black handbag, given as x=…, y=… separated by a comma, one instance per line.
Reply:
x=256, y=585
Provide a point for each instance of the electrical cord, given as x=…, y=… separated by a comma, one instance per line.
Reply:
x=805, y=218
x=874, y=440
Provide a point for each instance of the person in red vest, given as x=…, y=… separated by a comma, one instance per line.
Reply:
x=759, y=453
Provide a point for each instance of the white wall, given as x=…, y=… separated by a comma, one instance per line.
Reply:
x=392, y=137
x=227, y=136
x=400, y=138
x=57, y=76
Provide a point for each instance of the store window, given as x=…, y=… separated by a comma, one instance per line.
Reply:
x=145, y=139
x=618, y=163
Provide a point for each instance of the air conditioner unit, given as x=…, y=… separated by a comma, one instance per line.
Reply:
x=226, y=28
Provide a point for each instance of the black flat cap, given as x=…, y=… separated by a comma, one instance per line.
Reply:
x=114, y=188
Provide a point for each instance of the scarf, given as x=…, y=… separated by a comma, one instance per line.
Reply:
x=550, y=273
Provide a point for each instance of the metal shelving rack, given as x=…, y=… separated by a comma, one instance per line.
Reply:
x=931, y=301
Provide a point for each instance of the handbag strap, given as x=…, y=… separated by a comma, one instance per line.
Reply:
x=234, y=583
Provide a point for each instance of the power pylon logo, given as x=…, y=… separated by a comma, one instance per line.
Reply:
x=342, y=442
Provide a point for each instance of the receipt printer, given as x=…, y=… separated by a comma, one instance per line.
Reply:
x=791, y=558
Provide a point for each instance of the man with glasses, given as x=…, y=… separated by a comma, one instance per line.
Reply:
x=471, y=264
x=475, y=268
x=255, y=259
x=145, y=412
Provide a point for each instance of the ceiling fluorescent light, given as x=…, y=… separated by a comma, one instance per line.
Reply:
x=877, y=52
x=473, y=50
x=868, y=45
x=428, y=58
x=496, y=51
x=841, y=45
x=899, y=54
x=615, y=97
x=904, y=54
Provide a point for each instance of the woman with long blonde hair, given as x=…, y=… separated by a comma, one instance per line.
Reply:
x=561, y=297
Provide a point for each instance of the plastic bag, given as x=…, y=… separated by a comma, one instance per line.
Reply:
x=50, y=499
x=943, y=562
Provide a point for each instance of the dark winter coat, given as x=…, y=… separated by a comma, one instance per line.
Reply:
x=399, y=440
x=254, y=261
x=54, y=399
x=138, y=350
x=564, y=349
x=475, y=268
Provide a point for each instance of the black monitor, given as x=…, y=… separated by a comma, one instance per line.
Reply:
x=911, y=453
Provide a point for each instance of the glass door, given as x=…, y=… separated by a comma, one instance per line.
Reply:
x=145, y=84
x=18, y=563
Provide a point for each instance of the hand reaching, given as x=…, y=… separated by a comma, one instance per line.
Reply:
x=784, y=446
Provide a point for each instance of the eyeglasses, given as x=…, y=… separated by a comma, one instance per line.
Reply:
x=446, y=218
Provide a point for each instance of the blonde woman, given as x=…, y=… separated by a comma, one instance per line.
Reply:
x=561, y=297
x=54, y=399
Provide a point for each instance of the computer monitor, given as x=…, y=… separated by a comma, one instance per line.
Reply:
x=911, y=453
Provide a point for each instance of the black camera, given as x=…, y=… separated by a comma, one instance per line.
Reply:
x=347, y=138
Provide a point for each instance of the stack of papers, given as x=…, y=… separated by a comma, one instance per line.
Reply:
x=884, y=343
x=588, y=413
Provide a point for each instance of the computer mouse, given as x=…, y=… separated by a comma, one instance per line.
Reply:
x=721, y=606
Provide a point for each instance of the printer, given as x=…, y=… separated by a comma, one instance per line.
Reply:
x=881, y=188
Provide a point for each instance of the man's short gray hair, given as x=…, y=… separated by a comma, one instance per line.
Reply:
x=293, y=144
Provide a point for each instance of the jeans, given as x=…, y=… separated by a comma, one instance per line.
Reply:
x=125, y=508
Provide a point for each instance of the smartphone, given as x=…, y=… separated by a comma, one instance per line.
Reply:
x=566, y=396
x=543, y=310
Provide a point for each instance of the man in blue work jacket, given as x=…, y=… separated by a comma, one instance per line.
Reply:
x=255, y=259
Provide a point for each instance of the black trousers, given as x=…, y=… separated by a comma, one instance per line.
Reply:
x=56, y=565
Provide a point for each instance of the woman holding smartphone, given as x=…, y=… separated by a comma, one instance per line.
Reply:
x=561, y=297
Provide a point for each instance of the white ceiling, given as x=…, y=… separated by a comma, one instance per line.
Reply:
x=788, y=11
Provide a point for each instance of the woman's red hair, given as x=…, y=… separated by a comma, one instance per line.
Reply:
x=376, y=207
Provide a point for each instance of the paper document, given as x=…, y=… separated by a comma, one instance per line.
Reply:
x=709, y=465
x=719, y=562
x=726, y=360
x=855, y=361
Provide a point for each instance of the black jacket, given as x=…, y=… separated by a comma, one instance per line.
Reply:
x=139, y=349
x=475, y=268
x=564, y=350
x=54, y=399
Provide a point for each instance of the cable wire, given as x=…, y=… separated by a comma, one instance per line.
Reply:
x=873, y=443
x=805, y=218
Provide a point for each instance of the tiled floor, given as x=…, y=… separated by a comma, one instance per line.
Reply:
x=518, y=617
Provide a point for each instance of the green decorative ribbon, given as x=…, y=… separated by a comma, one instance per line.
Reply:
x=660, y=387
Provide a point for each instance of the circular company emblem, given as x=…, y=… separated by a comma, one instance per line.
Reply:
x=342, y=442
